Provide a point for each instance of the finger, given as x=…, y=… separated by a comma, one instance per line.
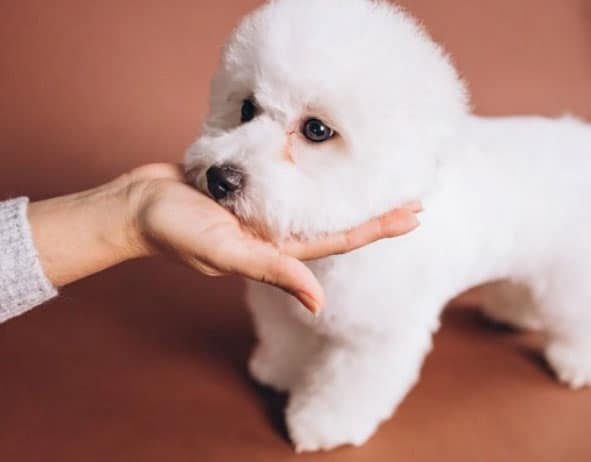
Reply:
x=266, y=264
x=391, y=224
x=413, y=206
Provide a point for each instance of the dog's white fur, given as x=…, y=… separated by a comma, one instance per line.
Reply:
x=504, y=198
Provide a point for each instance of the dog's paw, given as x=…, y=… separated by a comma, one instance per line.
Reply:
x=316, y=426
x=571, y=361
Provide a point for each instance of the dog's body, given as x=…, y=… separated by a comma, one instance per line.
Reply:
x=503, y=200
x=484, y=221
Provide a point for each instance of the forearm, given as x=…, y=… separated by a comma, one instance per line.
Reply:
x=83, y=233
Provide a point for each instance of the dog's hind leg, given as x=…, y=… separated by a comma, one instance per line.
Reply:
x=568, y=308
x=511, y=303
x=569, y=355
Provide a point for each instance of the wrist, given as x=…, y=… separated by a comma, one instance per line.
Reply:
x=122, y=233
x=83, y=233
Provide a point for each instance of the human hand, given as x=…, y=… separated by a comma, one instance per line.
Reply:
x=173, y=218
x=151, y=210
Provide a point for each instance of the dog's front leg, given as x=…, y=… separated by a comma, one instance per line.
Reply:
x=349, y=387
x=284, y=345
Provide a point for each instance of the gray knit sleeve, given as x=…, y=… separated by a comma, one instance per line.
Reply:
x=23, y=284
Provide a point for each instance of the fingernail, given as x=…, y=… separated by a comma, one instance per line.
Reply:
x=414, y=206
x=310, y=303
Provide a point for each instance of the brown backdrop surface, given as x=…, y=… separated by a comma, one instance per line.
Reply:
x=146, y=362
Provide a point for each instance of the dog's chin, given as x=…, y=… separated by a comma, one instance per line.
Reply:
x=238, y=206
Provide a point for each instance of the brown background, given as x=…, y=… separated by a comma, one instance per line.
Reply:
x=146, y=361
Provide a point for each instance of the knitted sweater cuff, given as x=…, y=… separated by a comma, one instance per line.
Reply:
x=23, y=284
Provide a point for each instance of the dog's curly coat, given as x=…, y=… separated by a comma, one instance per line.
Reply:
x=504, y=198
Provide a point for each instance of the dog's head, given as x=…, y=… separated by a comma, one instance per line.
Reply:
x=324, y=113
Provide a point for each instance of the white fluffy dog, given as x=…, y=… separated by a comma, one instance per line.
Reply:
x=325, y=113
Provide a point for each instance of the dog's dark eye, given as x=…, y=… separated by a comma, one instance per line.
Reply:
x=317, y=131
x=248, y=111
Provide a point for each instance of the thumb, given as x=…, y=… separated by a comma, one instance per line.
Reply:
x=270, y=266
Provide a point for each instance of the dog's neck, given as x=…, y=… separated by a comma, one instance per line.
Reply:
x=470, y=214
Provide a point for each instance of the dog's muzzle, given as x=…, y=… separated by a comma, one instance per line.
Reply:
x=224, y=180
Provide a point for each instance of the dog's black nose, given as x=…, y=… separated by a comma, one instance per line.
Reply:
x=223, y=180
